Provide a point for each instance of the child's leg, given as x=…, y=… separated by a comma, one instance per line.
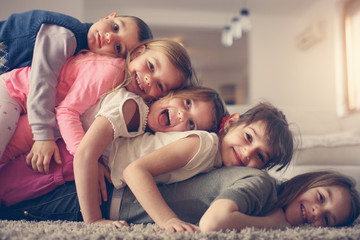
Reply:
x=10, y=111
x=20, y=182
x=21, y=141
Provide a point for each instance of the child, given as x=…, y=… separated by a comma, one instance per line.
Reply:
x=188, y=109
x=260, y=138
x=45, y=40
x=322, y=198
x=239, y=194
x=153, y=68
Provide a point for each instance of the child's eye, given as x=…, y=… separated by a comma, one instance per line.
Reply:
x=188, y=103
x=151, y=66
x=160, y=87
x=261, y=157
x=116, y=27
x=321, y=198
x=249, y=137
x=326, y=219
x=118, y=49
x=191, y=125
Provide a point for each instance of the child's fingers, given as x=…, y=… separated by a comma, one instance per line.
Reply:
x=29, y=158
x=57, y=156
x=107, y=175
x=37, y=164
x=46, y=163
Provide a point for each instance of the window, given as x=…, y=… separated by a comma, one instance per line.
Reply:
x=352, y=54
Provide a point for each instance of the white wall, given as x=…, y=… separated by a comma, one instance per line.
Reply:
x=7, y=7
x=293, y=78
x=302, y=83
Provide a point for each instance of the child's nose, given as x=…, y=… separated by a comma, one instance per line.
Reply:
x=109, y=37
x=316, y=212
x=148, y=80
x=181, y=115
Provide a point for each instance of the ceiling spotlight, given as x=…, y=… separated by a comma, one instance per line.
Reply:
x=245, y=20
x=236, y=28
x=226, y=37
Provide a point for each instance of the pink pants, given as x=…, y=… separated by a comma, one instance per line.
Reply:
x=20, y=182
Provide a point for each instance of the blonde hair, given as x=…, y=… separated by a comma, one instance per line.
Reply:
x=177, y=55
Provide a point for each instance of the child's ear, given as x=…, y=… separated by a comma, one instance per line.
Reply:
x=112, y=15
x=233, y=118
x=138, y=51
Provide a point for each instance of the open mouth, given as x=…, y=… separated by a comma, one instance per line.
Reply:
x=303, y=213
x=164, y=118
x=137, y=78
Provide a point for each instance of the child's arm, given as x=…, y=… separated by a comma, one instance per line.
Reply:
x=139, y=176
x=95, y=75
x=53, y=46
x=92, y=146
x=94, y=143
x=224, y=214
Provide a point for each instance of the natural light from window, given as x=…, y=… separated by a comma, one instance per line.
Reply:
x=352, y=54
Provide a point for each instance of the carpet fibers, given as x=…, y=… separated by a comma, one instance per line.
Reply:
x=75, y=230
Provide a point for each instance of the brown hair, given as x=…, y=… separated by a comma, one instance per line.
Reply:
x=279, y=135
x=204, y=94
x=291, y=189
x=144, y=31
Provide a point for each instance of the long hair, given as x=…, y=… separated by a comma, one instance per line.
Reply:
x=291, y=189
x=175, y=52
x=204, y=94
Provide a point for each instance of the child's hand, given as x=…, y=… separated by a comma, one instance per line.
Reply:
x=40, y=155
x=176, y=225
x=102, y=174
x=277, y=216
x=118, y=224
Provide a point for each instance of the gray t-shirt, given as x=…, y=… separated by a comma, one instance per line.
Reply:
x=253, y=190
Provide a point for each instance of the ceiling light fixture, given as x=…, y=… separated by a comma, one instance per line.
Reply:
x=227, y=37
x=235, y=30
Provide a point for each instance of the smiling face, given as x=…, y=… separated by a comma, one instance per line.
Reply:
x=320, y=206
x=246, y=146
x=178, y=114
x=113, y=35
x=152, y=75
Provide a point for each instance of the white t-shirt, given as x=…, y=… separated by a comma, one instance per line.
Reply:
x=110, y=106
x=126, y=150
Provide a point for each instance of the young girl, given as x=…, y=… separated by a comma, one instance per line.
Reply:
x=188, y=109
x=176, y=156
x=45, y=40
x=260, y=138
x=153, y=68
x=246, y=196
x=179, y=156
x=317, y=198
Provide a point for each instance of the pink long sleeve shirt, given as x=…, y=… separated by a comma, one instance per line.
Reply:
x=82, y=81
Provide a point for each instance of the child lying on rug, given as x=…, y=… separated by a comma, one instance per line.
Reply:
x=226, y=198
x=259, y=138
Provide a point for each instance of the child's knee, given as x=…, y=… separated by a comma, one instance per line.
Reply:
x=21, y=142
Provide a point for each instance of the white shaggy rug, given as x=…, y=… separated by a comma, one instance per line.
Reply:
x=75, y=230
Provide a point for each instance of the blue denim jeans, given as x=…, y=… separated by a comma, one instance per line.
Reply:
x=188, y=199
x=59, y=204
